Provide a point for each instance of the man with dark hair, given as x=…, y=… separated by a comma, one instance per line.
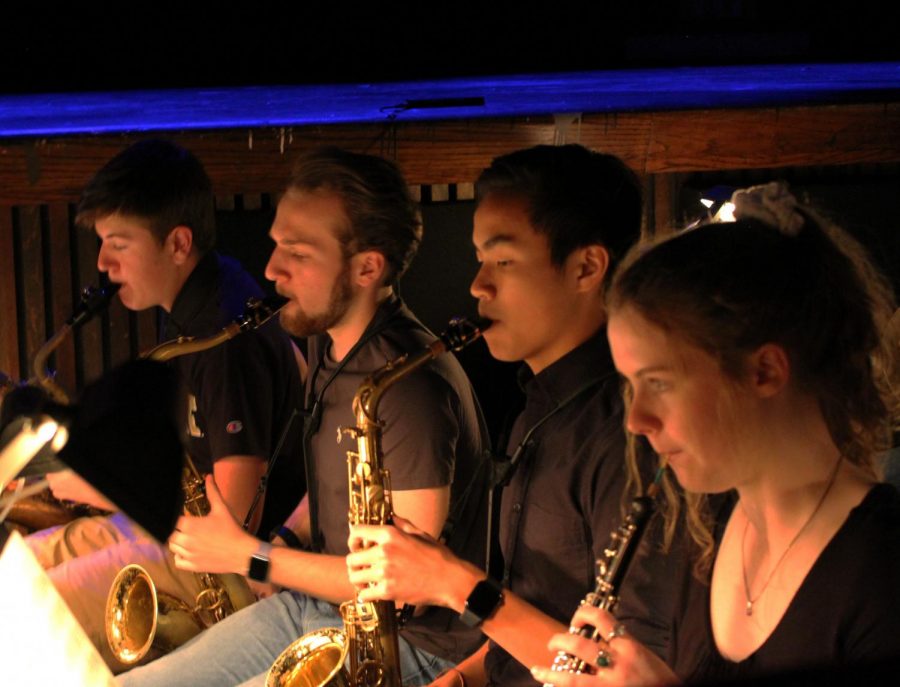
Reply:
x=550, y=225
x=345, y=230
x=152, y=208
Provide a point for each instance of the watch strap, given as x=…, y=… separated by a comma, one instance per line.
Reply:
x=482, y=603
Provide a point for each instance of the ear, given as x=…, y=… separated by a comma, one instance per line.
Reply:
x=181, y=240
x=368, y=268
x=591, y=264
x=768, y=369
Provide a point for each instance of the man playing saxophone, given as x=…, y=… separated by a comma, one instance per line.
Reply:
x=550, y=225
x=345, y=230
x=152, y=209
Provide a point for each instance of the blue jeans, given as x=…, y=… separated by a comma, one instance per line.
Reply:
x=240, y=649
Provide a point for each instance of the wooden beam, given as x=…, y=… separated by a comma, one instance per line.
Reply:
x=9, y=336
x=455, y=151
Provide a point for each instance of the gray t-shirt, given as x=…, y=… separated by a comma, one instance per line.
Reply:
x=433, y=436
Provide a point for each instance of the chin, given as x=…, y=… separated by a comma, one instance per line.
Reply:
x=501, y=352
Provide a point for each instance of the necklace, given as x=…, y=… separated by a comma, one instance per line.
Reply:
x=750, y=601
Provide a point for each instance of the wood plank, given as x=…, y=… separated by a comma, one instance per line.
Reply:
x=60, y=282
x=455, y=151
x=9, y=336
x=33, y=323
x=665, y=203
x=90, y=346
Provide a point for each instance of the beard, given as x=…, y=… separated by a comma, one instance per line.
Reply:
x=303, y=324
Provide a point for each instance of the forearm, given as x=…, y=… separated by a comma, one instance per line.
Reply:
x=472, y=668
x=238, y=480
x=315, y=574
x=517, y=626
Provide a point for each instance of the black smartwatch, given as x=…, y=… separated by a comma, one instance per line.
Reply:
x=259, y=563
x=482, y=603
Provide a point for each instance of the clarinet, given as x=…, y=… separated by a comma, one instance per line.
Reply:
x=611, y=570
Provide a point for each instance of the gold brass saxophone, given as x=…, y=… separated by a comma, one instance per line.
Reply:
x=138, y=616
x=611, y=570
x=370, y=635
x=43, y=510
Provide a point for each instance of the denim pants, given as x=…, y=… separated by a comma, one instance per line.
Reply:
x=240, y=649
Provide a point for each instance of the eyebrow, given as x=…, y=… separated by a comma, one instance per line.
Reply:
x=293, y=241
x=644, y=371
x=496, y=240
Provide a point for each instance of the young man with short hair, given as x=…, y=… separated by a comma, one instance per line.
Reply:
x=152, y=209
x=550, y=225
x=345, y=231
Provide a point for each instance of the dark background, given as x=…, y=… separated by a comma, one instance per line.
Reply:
x=164, y=45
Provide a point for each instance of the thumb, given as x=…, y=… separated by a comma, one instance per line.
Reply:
x=407, y=527
x=213, y=495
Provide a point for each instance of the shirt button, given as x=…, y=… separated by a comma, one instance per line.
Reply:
x=517, y=508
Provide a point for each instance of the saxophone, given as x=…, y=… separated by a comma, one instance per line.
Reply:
x=138, y=616
x=370, y=635
x=43, y=510
x=611, y=570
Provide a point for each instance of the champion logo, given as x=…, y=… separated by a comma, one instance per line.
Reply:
x=234, y=426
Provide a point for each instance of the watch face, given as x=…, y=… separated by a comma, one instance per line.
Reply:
x=259, y=568
x=482, y=602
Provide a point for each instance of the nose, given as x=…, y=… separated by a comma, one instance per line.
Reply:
x=104, y=261
x=274, y=270
x=482, y=285
x=640, y=418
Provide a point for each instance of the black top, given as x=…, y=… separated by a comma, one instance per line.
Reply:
x=243, y=391
x=432, y=436
x=846, y=611
x=565, y=498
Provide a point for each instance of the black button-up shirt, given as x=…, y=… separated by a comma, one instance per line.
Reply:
x=565, y=497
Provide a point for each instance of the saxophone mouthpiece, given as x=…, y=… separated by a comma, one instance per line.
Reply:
x=94, y=299
x=463, y=331
x=482, y=323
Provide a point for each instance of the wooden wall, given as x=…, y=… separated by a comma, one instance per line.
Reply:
x=45, y=260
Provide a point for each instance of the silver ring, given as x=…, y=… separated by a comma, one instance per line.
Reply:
x=617, y=631
x=604, y=659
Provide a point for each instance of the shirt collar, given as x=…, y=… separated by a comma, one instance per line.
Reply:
x=589, y=362
x=194, y=295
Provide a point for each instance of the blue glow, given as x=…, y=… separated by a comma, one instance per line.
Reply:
x=507, y=96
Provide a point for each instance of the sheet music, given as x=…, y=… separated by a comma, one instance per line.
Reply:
x=41, y=643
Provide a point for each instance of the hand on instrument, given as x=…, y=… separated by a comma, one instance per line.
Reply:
x=66, y=485
x=215, y=543
x=398, y=562
x=617, y=659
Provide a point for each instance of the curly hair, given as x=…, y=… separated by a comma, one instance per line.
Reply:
x=728, y=288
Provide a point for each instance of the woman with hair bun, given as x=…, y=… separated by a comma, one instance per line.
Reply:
x=756, y=366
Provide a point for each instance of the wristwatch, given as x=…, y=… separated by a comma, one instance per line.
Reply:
x=259, y=563
x=482, y=603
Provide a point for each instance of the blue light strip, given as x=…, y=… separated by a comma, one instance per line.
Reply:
x=56, y=114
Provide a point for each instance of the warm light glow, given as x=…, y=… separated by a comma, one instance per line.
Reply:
x=46, y=430
x=41, y=643
x=725, y=213
x=707, y=203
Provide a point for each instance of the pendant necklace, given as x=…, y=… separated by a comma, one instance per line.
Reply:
x=750, y=601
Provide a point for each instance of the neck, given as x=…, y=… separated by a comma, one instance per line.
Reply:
x=791, y=472
x=180, y=275
x=346, y=333
x=579, y=330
